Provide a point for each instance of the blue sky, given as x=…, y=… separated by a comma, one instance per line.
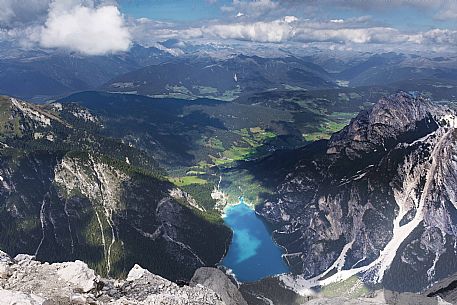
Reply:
x=107, y=26
x=407, y=16
x=177, y=10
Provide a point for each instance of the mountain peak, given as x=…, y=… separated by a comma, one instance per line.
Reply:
x=400, y=117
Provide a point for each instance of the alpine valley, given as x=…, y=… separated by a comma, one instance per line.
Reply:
x=256, y=159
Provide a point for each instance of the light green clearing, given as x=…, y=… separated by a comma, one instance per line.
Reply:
x=334, y=123
x=187, y=180
x=350, y=288
x=241, y=150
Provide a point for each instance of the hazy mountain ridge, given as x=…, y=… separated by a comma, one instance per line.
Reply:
x=221, y=78
x=41, y=74
x=434, y=76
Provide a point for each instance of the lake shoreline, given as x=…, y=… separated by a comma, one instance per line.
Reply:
x=253, y=253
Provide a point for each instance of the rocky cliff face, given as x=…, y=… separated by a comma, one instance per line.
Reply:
x=445, y=289
x=28, y=282
x=376, y=201
x=67, y=193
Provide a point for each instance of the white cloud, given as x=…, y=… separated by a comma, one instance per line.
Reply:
x=90, y=30
x=351, y=35
x=348, y=32
x=289, y=28
x=95, y=27
x=290, y=19
x=274, y=31
x=148, y=32
x=436, y=37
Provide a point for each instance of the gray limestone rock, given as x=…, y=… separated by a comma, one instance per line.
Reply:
x=217, y=281
x=29, y=282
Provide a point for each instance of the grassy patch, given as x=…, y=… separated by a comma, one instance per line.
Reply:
x=214, y=143
x=237, y=153
x=206, y=90
x=203, y=165
x=256, y=130
x=333, y=123
x=230, y=95
x=244, y=148
x=315, y=136
x=350, y=288
x=178, y=89
x=187, y=180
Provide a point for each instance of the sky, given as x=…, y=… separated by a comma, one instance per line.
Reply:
x=178, y=10
x=401, y=16
x=98, y=27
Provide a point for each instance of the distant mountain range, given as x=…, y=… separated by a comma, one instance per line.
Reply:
x=161, y=71
x=434, y=76
x=221, y=78
x=41, y=75
x=392, y=67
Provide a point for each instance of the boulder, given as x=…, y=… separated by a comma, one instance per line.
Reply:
x=217, y=281
x=78, y=274
x=135, y=273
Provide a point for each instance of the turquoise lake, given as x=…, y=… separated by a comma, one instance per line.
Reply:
x=253, y=254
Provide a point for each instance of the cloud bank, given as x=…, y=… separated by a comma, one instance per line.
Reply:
x=97, y=27
x=274, y=31
x=90, y=27
x=355, y=31
x=88, y=30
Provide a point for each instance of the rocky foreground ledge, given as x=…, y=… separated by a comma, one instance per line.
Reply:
x=25, y=281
